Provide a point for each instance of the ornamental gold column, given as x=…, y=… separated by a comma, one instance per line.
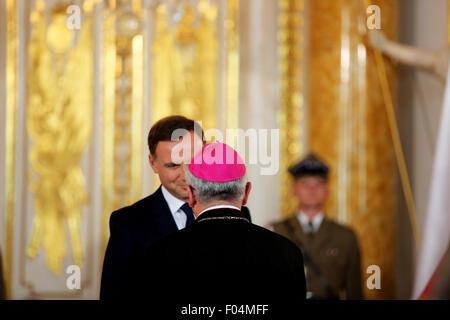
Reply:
x=123, y=61
x=349, y=129
x=290, y=53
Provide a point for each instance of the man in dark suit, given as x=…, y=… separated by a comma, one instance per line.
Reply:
x=134, y=228
x=331, y=251
x=222, y=257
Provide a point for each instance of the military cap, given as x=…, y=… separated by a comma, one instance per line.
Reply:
x=311, y=165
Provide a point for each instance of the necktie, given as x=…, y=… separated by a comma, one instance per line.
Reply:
x=189, y=214
x=310, y=229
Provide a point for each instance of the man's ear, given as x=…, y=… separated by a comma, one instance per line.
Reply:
x=152, y=161
x=192, y=199
x=248, y=188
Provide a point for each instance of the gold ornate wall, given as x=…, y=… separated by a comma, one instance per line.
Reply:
x=348, y=128
x=59, y=125
x=189, y=53
x=123, y=106
x=192, y=45
x=78, y=114
x=11, y=110
x=185, y=62
x=290, y=51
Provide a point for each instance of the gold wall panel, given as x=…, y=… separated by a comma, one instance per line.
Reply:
x=349, y=129
x=109, y=97
x=123, y=102
x=185, y=62
x=231, y=25
x=59, y=123
x=290, y=53
x=11, y=106
x=128, y=103
x=186, y=69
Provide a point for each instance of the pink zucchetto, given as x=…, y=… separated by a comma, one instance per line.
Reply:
x=217, y=162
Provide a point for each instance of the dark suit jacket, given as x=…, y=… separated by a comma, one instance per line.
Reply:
x=334, y=250
x=132, y=230
x=220, y=259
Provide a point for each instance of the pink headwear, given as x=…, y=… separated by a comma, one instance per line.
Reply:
x=217, y=162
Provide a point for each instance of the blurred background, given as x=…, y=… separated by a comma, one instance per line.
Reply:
x=77, y=99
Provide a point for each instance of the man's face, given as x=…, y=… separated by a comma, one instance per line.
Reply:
x=169, y=159
x=312, y=192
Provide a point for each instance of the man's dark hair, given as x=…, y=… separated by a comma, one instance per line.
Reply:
x=163, y=129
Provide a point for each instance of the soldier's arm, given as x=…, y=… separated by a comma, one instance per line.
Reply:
x=353, y=286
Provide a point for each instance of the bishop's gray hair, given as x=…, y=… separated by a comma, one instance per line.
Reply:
x=208, y=191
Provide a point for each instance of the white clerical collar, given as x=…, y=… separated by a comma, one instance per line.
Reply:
x=219, y=206
x=316, y=221
x=173, y=202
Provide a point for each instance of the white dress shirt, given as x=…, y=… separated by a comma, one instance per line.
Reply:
x=175, y=208
x=304, y=221
x=219, y=206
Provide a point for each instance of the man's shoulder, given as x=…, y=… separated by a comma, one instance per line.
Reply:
x=272, y=236
x=340, y=230
x=125, y=212
x=275, y=238
x=139, y=209
x=283, y=224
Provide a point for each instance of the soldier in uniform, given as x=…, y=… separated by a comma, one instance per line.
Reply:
x=330, y=250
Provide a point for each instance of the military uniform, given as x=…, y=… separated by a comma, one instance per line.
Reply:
x=330, y=250
x=331, y=257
